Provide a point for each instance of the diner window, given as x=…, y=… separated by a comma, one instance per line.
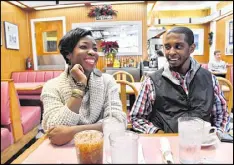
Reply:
x=50, y=41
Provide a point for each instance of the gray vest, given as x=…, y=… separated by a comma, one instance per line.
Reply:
x=172, y=102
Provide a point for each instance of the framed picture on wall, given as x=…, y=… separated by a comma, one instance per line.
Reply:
x=11, y=35
x=198, y=41
x=229, y=38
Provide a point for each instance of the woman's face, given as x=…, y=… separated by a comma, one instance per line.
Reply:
x=85, y=54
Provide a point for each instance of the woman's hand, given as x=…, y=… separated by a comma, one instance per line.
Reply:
x=60, y=135
x=77, y=72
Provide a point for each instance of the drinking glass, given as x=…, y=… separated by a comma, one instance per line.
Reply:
x=109, y=126
x=190, y=139
x=89, y=147
x=124, y=147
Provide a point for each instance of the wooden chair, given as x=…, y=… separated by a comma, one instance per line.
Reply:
x=123, y=75
x=227, y=89
x=123, y=96
x=143, y=77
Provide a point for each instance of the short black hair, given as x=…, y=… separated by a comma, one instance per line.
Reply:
x=217, y=51
x=189, y=36
x=69, y=41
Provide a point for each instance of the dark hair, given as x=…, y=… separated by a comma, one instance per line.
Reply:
x=189, y=37
x=217, y=51
x=69, y=41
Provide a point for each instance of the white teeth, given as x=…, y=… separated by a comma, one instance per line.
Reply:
x=174, y=59
x=90, y=61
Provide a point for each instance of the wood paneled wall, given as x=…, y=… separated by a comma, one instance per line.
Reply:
x=220, y=35
x=126, y=12
x=193, y=14
x=220, y=38
x=14, y=60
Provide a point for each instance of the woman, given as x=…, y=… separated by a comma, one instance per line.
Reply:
x=81, y=96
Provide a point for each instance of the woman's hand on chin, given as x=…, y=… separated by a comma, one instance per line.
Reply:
x=60, y=135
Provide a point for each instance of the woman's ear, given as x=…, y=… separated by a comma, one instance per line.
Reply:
x=69, y=58
x=192, y=48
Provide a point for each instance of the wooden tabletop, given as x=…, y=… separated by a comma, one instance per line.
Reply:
x=218, y=73
x=28, y=86
x=42, y=151
x=33, y=147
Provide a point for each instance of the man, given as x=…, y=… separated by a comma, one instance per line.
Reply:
x=217, y=65
x=181, y=88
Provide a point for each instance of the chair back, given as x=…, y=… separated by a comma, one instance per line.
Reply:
x=123, y=95
x=227, y=89
x=123, y=75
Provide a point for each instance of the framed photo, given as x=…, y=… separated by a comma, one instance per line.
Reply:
x=229, y=38
x=11, y=35
x=198, y=41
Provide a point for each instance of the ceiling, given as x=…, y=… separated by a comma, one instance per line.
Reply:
x=159, y=6
x=183, y=5
x=33, y=4
x=43, y=5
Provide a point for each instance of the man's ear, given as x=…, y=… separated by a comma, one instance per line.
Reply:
x=192, y=48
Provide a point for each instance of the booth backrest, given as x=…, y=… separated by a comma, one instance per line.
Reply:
x=5, y=104
x=204, y=66
x=34, y=76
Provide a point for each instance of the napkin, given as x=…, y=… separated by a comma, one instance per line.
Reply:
x=141, y=159
x=166, y=150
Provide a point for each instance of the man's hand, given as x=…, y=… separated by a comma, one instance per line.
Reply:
x=77, y=72
x=60, y=135
x=160, y=132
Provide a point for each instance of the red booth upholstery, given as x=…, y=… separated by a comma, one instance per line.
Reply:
x=19, y=124
x=33, y=77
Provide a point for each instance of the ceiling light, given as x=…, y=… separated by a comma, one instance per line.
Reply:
x=57, y=6
x=115, y=2
x=17, y=4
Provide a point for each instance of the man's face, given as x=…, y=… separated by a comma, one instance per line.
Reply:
x=218, y=56
x=177, y=50
x=85, y=54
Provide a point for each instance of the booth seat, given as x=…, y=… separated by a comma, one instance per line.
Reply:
x=19, y=124
x=29, y=77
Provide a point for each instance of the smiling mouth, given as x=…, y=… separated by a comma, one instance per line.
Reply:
x=174, y=59
x=90, y=61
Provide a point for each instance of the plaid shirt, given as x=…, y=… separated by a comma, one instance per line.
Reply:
x=146, y=99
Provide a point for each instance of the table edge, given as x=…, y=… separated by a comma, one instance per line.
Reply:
x=33, y=147
x=28, y=151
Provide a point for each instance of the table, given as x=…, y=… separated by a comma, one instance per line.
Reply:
x=44, y=152
x=29, y=86
x=129, y=90
x=220, y=74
